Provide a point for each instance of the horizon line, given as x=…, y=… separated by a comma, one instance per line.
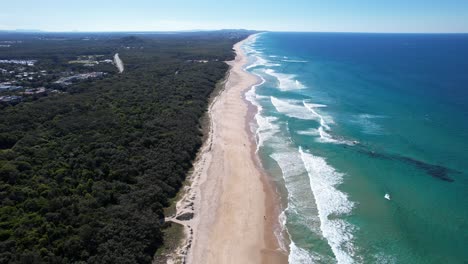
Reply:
x=225, y=29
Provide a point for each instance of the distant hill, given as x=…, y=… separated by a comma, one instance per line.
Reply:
x=22, y=30
x=131, y=40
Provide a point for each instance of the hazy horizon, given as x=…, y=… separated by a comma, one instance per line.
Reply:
x=20, y=30
x=362, y=16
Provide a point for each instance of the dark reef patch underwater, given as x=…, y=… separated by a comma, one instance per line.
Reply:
x=436, y=171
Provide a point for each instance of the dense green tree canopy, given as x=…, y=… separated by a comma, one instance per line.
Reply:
x=84, y=175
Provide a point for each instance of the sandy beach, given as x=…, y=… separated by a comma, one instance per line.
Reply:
x=234, y=207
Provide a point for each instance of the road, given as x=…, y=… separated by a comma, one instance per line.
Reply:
x=118, y=62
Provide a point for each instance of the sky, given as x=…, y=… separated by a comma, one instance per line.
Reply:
x=274, y=15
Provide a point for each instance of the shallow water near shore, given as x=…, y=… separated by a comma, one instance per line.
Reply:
x=368, y=136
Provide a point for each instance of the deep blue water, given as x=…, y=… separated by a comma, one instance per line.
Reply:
x=347, y=119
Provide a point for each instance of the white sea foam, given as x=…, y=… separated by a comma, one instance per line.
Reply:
x=286, y=82
x=258, y=62
x=252, y=96
x=309, y=132
x=323, y=137
x=290, y=163
x=298, y=255
x=266, y=129
x=291, y=167
x=261, y=62
x=368, y=124
x=382, y=258
x=323, y=122
x=316, y=105
x=331, y=203
x=292, y=108
x=249, y=50
x=279, y=233
x=298, y=61
x=300, y=199
x=262, y=97
x=321, y=132
x=307, y=111
x=310, y=181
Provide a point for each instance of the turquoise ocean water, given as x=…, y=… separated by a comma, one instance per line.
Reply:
x=366, y=137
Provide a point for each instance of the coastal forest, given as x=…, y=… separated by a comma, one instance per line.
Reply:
x=86, y=171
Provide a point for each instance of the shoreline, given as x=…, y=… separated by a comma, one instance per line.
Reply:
x=277, y=250
x=229, y=208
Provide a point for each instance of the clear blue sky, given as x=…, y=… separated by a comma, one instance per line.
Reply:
x=276, y=15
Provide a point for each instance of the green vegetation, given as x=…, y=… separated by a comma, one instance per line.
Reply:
x=84, y=175
x=173, y=235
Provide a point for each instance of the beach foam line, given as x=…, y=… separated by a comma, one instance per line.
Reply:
x=292, y=108
x=316, y=105
x=331, y=204
x=251, y=94
x=300, y=199
x=291, y=168
x=299, y=255
x=282, y=220
x=286, y=82
x=249, y=49
x=314, y=132
x=265, y=128
x=323, y=137
x=261, y=62
x=311, y=108
x=291, y=163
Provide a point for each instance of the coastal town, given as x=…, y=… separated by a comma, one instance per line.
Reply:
x=28, y=79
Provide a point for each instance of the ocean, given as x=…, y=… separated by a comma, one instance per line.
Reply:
x=366, y=139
